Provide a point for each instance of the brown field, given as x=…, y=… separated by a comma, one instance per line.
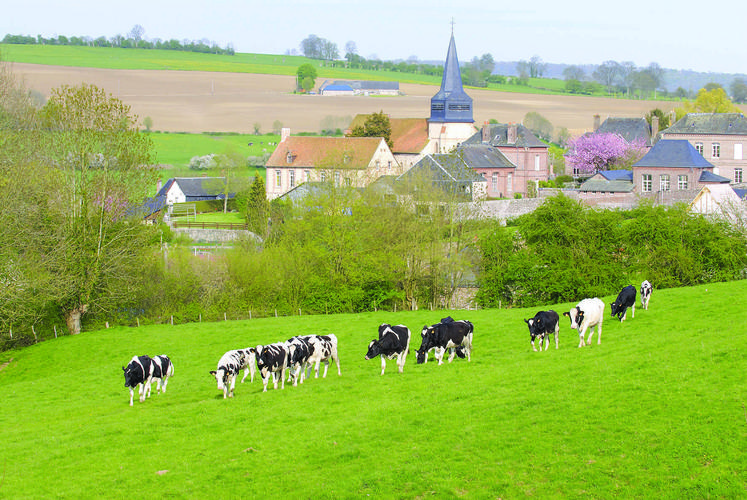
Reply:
x=194, y=101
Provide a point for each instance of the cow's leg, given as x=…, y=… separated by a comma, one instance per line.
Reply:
x=337, y=361
x=534, y=348
x=439, y=354
x=316, y=368
x=557, y=333
x=632, y=310
x=233, y=384
x=599, y=333
x=326, y=365
x=581, y=342
x=265, y=380
x=132, y=394
x=165, y=381
x=401, y=358
x=282, y=379
x=246, y=372
x=383, y=364
x=452, y=354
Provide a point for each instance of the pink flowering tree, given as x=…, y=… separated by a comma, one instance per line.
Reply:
x=591, y=153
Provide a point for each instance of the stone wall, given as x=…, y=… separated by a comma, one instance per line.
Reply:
x=213, y=235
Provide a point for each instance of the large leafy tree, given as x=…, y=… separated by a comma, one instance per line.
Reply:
x=376, y=125
x=591, y=153
x=708, y=101
x=306, y=74
x=92, y=167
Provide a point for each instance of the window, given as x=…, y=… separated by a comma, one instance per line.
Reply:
x=306, y=175
x=715, y=150
x=291, y=178
x=699, y=147
x=278, y=178
x=536, y=162
x=664, y=182
x=738, y=151
x=681, y=182
x=738, y=175
x=337, y=178
x=646, y=183
x=509, y=182
x=323, y=176
x=494, y=180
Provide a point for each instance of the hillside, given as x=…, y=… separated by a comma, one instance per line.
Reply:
x=199, y=92
x=656, y=411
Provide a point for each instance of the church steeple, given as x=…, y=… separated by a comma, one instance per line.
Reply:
x=451, y=103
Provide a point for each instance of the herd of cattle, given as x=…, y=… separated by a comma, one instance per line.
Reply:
x=298, y=355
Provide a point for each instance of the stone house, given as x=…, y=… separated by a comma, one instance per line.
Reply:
x=718, y=137
x=346, y=161
x=448, y=172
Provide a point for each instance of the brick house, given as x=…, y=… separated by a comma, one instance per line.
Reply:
x=527, y=157
x=346, y=161
x=718, y=137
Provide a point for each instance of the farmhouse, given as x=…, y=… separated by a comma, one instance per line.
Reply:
x=190, y=189
x=358, y=87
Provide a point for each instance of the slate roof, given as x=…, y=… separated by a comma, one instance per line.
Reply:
x=483, y=156
x=607, y=186
x=617, y=175
x=351, y=152
x=710, y=123
x=409, y=135
x=630, y=129
x=673, y=153
x=196, y=188
x=451, y=104
x=449, y=168
x=742, y=193
x=498, y=133
x=363, y=85
x=710, y=177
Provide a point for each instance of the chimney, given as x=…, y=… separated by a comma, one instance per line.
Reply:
x=511, y=133
x=672, y=117
x=654, y=128
x=486, y=133
x=159, y=185
x=285, y=132
x=597, y=122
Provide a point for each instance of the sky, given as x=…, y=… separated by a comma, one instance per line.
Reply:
x=705, y=37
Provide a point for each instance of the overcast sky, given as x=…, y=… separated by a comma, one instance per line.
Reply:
x=701, y=36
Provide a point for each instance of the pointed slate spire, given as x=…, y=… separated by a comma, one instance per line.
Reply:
x=451, y=103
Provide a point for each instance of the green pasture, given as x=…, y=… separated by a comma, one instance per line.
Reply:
x=173, y=152
x=656, y=411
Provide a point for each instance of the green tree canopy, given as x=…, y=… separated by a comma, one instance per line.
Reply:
x=306, y=74
x=376, y=125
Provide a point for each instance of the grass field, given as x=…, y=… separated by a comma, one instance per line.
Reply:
x=656, y=411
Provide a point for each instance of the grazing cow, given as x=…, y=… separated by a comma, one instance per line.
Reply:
x=625, y=299
x=138, y=373
x=250, y=363
x=543, y=325
x=163, y=368
x=587, y=314
x=300, y=350
x=646, y=290
x=325, y=349
x=394, y=342
x=446, y=335
x=271, y=362
x=229, y=366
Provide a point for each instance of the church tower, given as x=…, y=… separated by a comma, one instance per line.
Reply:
x=451, y=121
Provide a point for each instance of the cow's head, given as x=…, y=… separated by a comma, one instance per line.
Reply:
x=128, y=376
x=576, y=315
x=374, y=349
x=221, y=377
x=428, y=343
x=615, y=308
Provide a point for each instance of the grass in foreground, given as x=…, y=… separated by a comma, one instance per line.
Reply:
x=656, y=411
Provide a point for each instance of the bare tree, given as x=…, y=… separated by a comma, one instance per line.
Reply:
x=136, y=33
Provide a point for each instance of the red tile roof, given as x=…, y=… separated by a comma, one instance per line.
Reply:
x=409, y=135
x=353, y=152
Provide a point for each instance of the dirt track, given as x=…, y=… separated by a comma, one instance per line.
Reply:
x=195, y=101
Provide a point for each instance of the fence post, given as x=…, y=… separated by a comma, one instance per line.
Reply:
x=55, y=331
x=138, y=322
x=250, y=314
x=276, y=313
x=34, y=332
x=224, y=317
x=172, y=319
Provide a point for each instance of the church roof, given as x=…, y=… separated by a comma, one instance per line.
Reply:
x=451, y=103
x=673, y=153
x=409, y=135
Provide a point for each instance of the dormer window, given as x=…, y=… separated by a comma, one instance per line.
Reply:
x=290, y=157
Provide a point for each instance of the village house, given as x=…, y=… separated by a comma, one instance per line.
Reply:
x=450, y=173
x=346, y=161
x=358, y=87
x=718, y=137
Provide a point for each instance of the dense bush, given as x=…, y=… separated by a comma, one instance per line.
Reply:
x=565, y=251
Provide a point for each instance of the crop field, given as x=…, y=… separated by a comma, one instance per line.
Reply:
x=200, y=97
x=657, y=410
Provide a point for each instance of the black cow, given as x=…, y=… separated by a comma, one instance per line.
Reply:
x=393, y=342
x=446, y=335
x=163, y=368
x=544, y=324
x=229, y=366
x=625, y=299
x=271, y=362
x=139, y=372
x=646, y=289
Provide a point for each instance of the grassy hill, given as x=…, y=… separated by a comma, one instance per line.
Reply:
x=656, y=411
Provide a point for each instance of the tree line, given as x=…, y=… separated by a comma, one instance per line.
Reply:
x=134, y=39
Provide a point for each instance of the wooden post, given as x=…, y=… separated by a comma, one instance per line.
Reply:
x=250, y=314
x=138, y=322
x=276, y=313
x=11, y=334
x=34, y=332
x=200, y=317
x=55, y=331
x=299, y=311
x=107, y=325
x=224, y=317
x=172, y=319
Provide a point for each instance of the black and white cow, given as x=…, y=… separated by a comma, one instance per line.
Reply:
x=271, y=362
x=544, y=324
x=138, y=373
x=325, y=349
x=446, y=335
x=163, y=368
x=300, y=350
x=625, y=299
x=250, y=363
x=393, y=342
x=587, y=314
x=229, y=366
x=646, y=289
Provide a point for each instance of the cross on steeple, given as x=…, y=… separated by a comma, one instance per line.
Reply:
x=452, y=25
